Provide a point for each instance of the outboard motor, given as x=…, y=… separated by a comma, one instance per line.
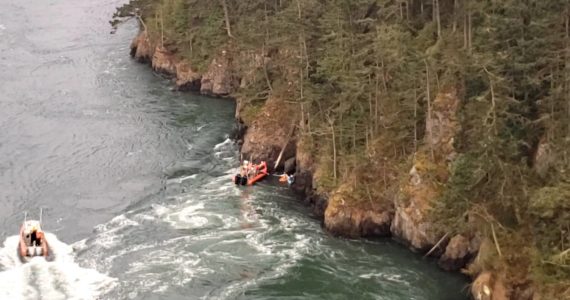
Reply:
x=35, y=251
x=240, y=180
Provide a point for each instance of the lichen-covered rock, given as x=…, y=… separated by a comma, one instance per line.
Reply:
x=141, y=48
x=186, y=78
x=166, y=62
x=239, y=109
x=270, y=132
x=303, y=184
x=304, y=169
x=318, y=203
x=220, y=79
x=410, y=220
x=249, y=63
x=444, y=125
x=163, y=61
x=418, y=234
x=305, y=160
x=457, y=254
x=289, y=165
x=487, y=286
x=352, y=218
x=427, y=175
x=544, y=158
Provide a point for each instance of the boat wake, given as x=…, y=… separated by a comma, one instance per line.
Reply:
x=61, y=278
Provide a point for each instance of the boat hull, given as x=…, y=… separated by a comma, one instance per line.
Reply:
x=28, y=247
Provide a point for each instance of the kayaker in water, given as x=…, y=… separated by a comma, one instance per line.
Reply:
x=290, y=179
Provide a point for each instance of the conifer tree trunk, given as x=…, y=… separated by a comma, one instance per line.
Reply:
x=161, y=28
x=415, y=121
x=469, y=33
x=433, y=17
x=437, y=17
x=227, y=18
x=429, y=120
x=334, y=148
x=567, y=65
x=265, y=41
x=454, y=16
x=465, y=25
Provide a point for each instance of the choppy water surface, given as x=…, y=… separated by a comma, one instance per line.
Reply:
x=134, y=180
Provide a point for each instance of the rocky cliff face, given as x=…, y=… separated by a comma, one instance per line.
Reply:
x=186, y=78
x=219, y=79
x=272, y=130
x=269, y=130
x=363, y=220
x=412, y=206
x=141, y=48
x=488, y=286
x=428, y=173
x=459, y=252
x=164, y=61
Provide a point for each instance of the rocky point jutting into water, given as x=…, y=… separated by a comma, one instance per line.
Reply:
x=397, y=124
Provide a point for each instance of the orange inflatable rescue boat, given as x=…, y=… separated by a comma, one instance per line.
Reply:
x=250, y=173
x=32, y=241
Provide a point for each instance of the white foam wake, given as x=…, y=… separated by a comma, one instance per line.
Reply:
x=61, y=278
x=225, y=145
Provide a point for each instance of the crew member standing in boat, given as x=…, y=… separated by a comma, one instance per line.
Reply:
x=39, y=237
x=244, y=169
x=36, y=237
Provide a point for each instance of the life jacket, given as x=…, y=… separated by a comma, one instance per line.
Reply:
x=283, y=178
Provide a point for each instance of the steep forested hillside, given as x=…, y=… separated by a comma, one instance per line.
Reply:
x=460, y=107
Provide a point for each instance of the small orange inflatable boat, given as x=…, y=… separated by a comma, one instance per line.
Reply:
x=250, y=173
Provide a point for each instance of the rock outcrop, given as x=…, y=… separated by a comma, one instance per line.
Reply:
x=487, y=286
x=543, y=159
x=220, y=79
x=164, y=61
x=459, y=251
x=289, y=165
x=355, y=220
x=270, y=132
x=186, y=78
x=410, y=220
x=429, y=171
x=141, y=48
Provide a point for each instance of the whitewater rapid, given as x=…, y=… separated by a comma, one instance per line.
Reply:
x=61, y=278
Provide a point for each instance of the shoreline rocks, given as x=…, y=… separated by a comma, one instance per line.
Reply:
x=343, y=220
x=219, y=80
